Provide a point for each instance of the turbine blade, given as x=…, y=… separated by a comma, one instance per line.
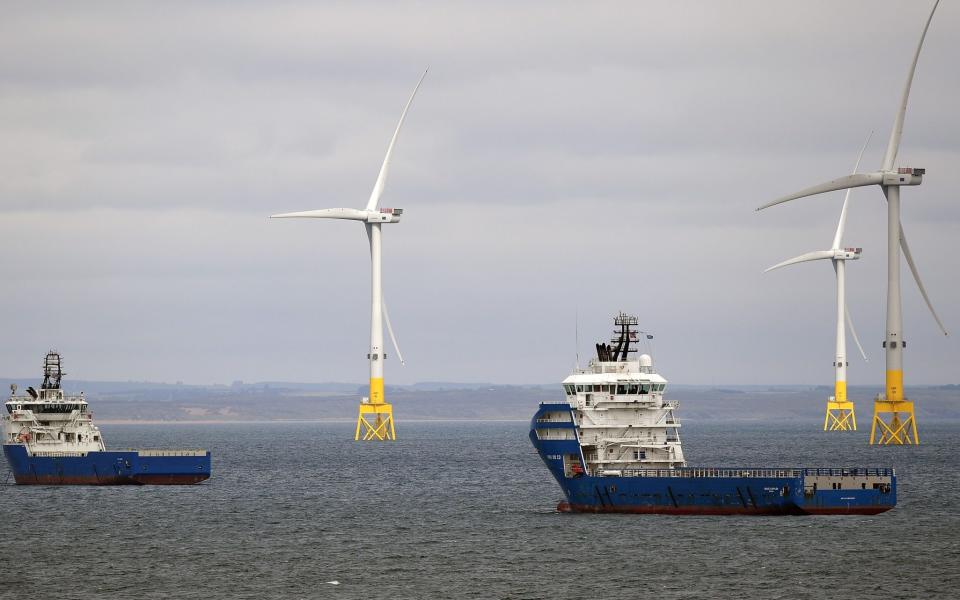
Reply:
x=837, y=239
x=325, y=213
x=818, y=255
x=850, y=181
x=916, y=277
x=853, y=331
x=382, y=177
x=893, y=146
x=393, y=338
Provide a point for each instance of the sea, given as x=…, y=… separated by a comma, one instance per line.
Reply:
x=467, y=510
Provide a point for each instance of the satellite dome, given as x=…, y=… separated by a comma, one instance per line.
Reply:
x=645, y=360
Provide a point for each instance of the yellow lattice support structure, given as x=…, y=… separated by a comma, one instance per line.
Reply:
x=840, y=416
x=900, y=426
x=375, y=422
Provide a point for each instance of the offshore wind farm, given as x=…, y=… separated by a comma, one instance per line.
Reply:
x=565, y=163
x=889, y=406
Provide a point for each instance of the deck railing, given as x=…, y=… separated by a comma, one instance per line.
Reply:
x=55, y=453
x=180, y=452
x=749, y=472
x=63, y=454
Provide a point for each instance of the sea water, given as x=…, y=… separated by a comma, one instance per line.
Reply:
x=467, y=510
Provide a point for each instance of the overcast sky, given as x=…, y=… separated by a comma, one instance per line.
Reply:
x=561, y=159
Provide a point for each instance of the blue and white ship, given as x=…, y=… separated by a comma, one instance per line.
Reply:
x=614, y=446
x=49, y=439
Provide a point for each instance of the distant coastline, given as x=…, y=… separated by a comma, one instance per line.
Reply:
x=118, y=403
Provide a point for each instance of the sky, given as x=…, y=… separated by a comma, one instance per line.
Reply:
x=561, y=162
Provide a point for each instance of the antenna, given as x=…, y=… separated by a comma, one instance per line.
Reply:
x=647, y=339
x=576, y=326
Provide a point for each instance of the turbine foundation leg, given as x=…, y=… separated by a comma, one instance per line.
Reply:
x=375, y=422
x=894, y=421
x=840, y=416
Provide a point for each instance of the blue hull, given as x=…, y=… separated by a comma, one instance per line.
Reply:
x=708, y=490
x=127, y=467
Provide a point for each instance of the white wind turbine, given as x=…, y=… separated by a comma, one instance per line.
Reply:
x=897, y=431
x=840, y=415
x=372, y=217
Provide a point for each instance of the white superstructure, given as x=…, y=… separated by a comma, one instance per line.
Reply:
x=48, y=420
x=621, y=417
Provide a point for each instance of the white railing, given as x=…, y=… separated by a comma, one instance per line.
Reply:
x=711, y=472
x=56, y=453
x=188, y=452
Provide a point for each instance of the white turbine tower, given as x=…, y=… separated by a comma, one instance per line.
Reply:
x=380, y=426
x=894, y=402
x=840, y=414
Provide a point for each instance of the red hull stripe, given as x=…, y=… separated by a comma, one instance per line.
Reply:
x=184, y=479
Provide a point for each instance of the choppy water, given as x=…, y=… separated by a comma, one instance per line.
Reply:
x=465, y=510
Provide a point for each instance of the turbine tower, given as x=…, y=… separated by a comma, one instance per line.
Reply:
x=375, y=417
x=888, y=407
x=840, y=414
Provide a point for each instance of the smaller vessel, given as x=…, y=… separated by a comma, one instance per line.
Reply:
x=49, y=439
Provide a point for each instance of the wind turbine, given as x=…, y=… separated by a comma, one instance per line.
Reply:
x=893, y=403
x=840, y=414
x=372, y=217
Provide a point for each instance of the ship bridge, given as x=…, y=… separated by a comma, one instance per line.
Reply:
x=617, y=406
x=49, y=420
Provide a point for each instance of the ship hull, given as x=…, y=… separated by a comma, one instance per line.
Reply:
x=107, y=467
x=704, y=490
x=709, y=495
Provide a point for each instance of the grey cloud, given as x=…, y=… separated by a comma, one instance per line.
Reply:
x=560, y=158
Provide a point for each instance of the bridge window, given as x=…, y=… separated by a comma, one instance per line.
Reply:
x=621, y=389
x=579, y=389
x=644, y=388
x=632, y=388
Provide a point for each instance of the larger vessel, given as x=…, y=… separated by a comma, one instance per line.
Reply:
x=49, y=438
x=614, y=446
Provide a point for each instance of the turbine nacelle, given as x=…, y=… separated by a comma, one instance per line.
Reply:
x=847, y=254
x=903, y=176
x=388, y=215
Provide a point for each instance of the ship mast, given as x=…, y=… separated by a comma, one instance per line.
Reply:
x=625, y=332
x=52, y=372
